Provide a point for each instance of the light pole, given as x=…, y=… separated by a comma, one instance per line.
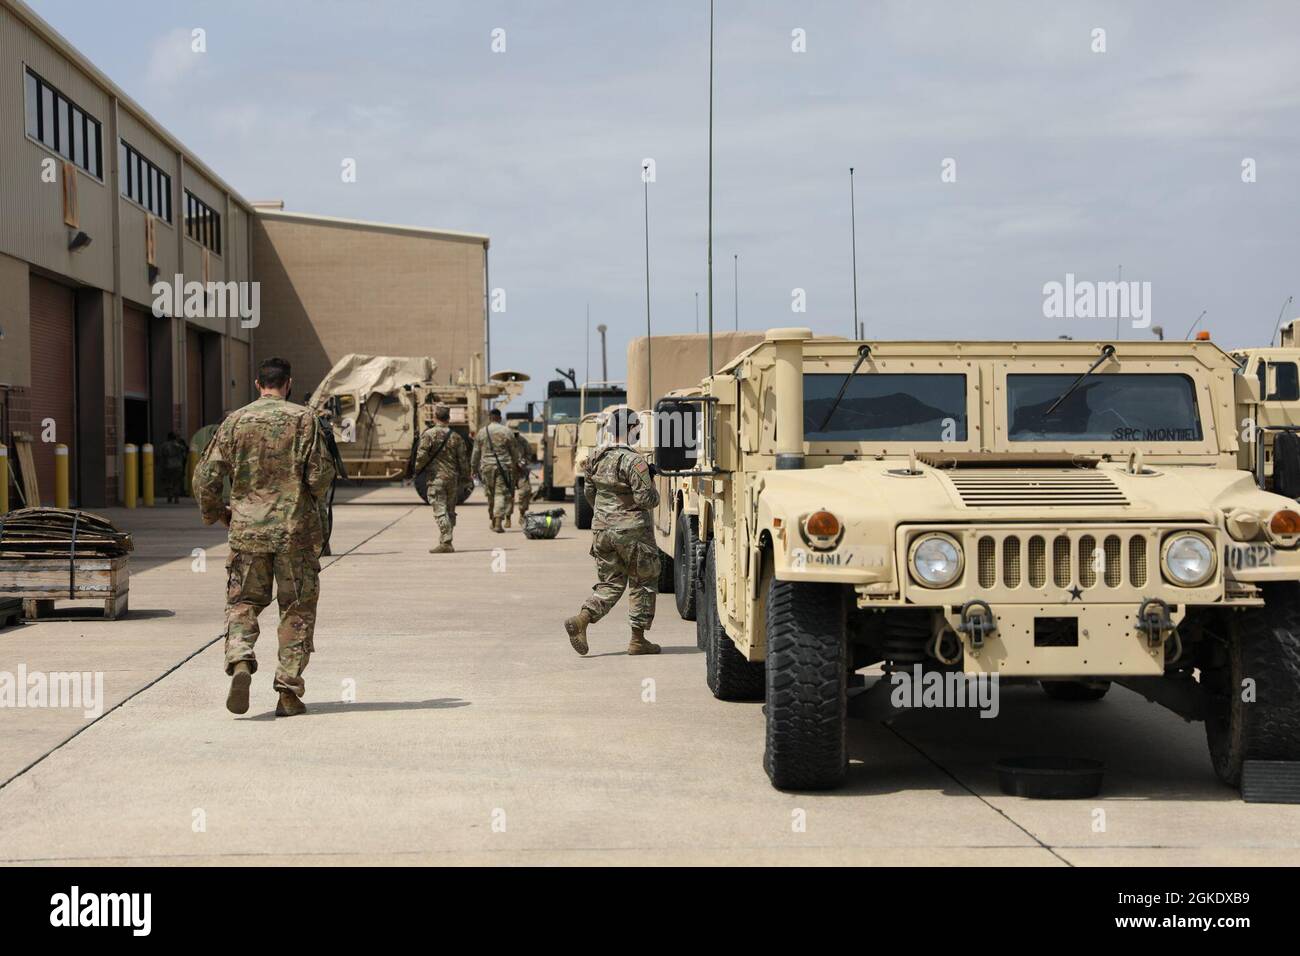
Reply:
x=710, y=303
x=645, y=188
x=735, y=282
x=604, y=364
x=853, y=233
x=697, y=312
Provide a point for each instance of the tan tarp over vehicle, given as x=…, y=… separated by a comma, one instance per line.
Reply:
x=679, y=361
x=356, y=374
x=379, y=404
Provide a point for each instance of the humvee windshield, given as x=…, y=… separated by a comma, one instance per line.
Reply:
x=572, y=407
x=888, y=407
x=1119, y=407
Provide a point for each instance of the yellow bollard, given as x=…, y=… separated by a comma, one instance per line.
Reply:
x=4, y=479
x=130, y=476
x=146, y=474
x=60, y=476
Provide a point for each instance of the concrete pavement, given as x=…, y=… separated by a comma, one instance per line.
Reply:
x=451, y=723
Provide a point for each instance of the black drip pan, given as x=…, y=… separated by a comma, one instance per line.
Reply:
x=1050, y=778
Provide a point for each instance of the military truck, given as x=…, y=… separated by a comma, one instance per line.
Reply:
x=378, y=405
x=531, y=427
x=566, y=404
x=1067, y=512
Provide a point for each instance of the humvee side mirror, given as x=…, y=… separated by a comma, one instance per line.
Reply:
x=682, y=438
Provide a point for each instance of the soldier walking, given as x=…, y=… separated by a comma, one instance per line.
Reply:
x=620, y=487
x=494, y=461
x=444, y=451
x=524, y=487
x=274, y=455
x=171, y=467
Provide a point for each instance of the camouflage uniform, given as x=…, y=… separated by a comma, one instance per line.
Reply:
x=524, y=488
x=171, y=468
x=450, y=474
x=273, y=454
x=618, y=485
x=496, y=462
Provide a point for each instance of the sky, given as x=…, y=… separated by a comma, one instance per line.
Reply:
x=1068, y=159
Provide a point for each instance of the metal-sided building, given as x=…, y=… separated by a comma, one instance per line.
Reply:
x=333, y=286
x=99, y=202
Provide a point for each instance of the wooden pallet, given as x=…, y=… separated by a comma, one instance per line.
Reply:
x=39, y=582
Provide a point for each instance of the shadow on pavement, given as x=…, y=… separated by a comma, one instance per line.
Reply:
x=678, y=649
x=342, y=707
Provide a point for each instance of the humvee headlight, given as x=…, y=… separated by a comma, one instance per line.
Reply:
x=821, y=529
x=1188, y=559
x=936, y=560
x=1285, y=525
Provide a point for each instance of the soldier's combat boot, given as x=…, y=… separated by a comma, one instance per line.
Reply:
x=240, y=678
x=639, y=645
x=523, y=513
x=442, y=549
x=576, y=627
x=505, y=520
x=290, y=705
x=496, y=526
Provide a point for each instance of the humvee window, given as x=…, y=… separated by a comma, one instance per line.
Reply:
x=1286, y=383
x=888, y=407
x=1125, y=407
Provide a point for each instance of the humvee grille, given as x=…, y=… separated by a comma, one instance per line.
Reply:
x=1075, y=488
x=1075, y=558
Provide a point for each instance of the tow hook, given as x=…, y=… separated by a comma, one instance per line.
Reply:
x=979, y=624
x=1154, y=621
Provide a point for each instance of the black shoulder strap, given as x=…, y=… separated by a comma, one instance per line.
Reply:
x=438, y=451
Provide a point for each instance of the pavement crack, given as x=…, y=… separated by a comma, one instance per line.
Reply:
x=185, y=660
x=965, y=786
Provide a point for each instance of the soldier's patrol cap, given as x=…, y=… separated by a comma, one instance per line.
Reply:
x=441, y=412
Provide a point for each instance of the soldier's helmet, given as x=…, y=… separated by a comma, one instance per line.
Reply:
x=623, y=426
x=514, y=423
x=441, y=412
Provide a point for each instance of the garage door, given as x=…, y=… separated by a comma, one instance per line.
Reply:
x=53, y=313
x=135, y=352
x=193, y=381
x=241, y=392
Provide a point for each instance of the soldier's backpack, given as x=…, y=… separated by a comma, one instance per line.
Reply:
x=543, y=524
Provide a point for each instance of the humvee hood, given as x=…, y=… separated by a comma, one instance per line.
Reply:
x=1104, y=493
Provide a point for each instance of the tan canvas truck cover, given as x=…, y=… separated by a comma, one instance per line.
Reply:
x=679, y=361
x=364, y=375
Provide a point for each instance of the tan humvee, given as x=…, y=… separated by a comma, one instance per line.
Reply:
x=1064, y=511
x=565, y=410
x=1276, y=370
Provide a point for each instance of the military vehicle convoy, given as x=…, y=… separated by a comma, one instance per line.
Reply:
x=1067, y=512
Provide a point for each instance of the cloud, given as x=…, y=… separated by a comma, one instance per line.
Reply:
x=171, y=59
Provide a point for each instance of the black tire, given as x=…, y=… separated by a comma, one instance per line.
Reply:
x=666, y=579
x=729, y=675
x=807, y=686
x=1075, y=690
x=703, y=600
x=686, y=566
x=1263, y=646
x=582, y=512
x=554, y=494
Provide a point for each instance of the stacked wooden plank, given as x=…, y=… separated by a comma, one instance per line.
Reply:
x=42, y=532
x=49, y=554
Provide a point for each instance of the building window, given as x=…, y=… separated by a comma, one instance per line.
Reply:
x=144, y=182
x=62, y=125
x=202, y=222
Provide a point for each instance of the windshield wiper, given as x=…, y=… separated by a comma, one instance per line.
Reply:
x=1107, y=352
x=864, y=351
